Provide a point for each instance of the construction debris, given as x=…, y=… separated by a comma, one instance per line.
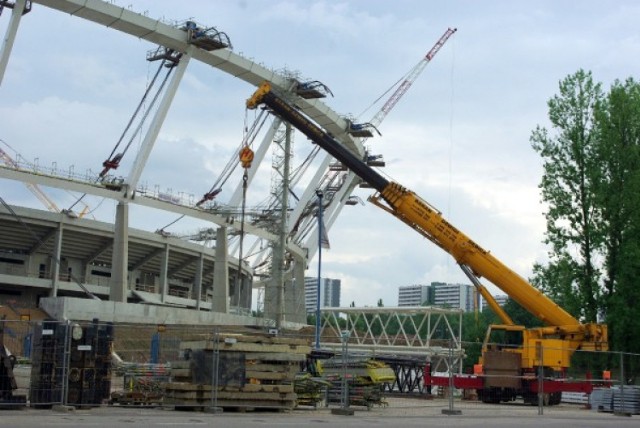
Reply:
x=311, y=390
x=365, y=380
x=143, y=384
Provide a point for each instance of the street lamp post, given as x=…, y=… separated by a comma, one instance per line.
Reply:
x=319, y=194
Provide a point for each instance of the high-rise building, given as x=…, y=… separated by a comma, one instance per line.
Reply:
x=454, y=295
x=438, y=294
x=501, y=299
x=329, y=293
x=415, y=295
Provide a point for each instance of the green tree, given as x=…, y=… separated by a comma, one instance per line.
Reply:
x=618, y=185
x=591, y=183
x=557, y=279
x=520, y=316
x=567, y=186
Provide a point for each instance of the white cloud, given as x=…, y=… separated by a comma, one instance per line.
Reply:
x=459, y=138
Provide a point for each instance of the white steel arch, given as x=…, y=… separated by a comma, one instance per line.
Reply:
x=176, y=39
x=157, y=31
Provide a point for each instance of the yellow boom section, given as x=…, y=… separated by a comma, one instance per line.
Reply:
x=415, y=210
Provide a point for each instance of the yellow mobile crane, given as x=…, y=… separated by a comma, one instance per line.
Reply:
x=550, y=347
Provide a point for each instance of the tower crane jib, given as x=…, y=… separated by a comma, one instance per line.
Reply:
x=411, y=77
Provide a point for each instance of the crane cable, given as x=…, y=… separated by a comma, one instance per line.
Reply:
x=138, y=108
x=401, y=79
x=246, y=156
x=247, y=140
x=113, y=161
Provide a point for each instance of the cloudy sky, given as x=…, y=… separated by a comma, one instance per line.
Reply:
x=459, y=137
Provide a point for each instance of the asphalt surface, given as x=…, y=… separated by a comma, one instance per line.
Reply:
x=399, y=413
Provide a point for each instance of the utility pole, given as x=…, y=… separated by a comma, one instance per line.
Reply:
x=319, y=194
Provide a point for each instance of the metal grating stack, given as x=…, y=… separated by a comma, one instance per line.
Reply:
x=90, y=365
x=610, y=400
x=71, y=358
x=47, y=363
x=626, y=400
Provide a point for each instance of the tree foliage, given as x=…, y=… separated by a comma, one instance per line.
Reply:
x=618, y=186
x=590, y=183
x=569, y=159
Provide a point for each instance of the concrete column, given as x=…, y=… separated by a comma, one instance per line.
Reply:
x=120, y=258
x=55, y=262
x=86, y=272
x=294, y=293
x=221, y=273
x=164, y=271
x=197, y=287
x=247, y=296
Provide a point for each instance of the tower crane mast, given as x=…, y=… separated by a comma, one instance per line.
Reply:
x=411, y=77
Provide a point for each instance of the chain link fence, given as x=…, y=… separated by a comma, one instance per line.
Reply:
x=84, y=364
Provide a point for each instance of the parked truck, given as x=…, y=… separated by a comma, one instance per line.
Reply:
x=526, y=359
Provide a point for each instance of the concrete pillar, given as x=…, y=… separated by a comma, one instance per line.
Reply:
x=271, y=299
x=294, y=293
x=247, y=289
x=221, y=273
x=164, y=277
x=120, y=258
x=86, y=269
x=57, y=259
x=197, y=287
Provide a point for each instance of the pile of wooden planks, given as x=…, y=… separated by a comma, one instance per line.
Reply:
x=237, y=371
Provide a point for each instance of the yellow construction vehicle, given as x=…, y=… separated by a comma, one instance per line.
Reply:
x=549, y=347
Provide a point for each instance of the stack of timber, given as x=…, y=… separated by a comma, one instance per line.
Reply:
x=237, y=371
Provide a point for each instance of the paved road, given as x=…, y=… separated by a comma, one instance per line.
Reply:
x=400, y=413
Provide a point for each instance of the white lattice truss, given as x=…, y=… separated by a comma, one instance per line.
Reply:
x=424, y=330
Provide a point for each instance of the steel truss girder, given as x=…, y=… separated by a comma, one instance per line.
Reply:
x=369, y=329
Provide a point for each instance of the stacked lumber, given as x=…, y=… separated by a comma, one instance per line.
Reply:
x=253, y=371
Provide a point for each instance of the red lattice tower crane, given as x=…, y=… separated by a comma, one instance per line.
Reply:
x=34, y=188
x=411, y=77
